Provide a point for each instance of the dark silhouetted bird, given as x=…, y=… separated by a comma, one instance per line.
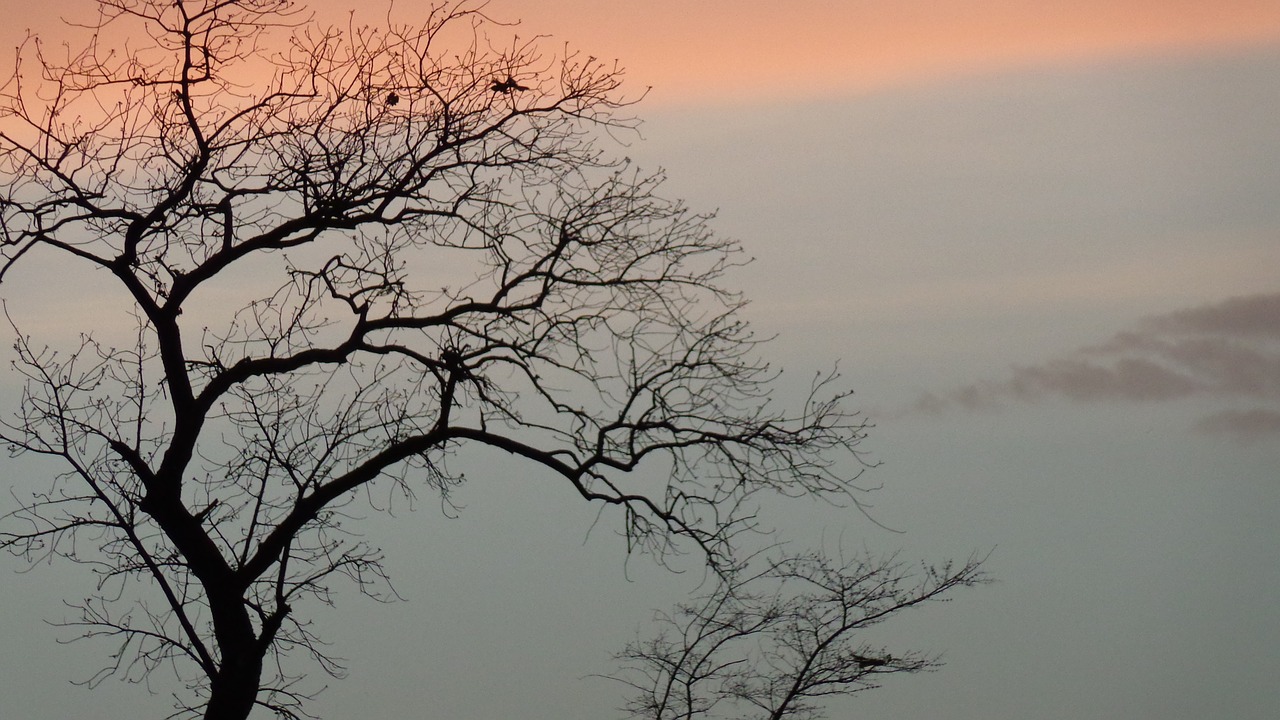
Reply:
x=506, y=87
x=392, y=99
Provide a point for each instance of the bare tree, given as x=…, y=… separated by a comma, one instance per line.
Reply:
x=769, y=644
x=349, y=252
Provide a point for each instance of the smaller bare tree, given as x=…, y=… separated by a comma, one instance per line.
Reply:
x=770, y=644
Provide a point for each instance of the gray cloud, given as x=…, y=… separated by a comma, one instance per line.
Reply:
x=1246, y=425
x=1227, y=352
x=1251, y=315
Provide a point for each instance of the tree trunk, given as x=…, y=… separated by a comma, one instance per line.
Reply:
x=235, y=688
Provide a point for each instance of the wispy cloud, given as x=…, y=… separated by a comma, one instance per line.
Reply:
x=1227, y=352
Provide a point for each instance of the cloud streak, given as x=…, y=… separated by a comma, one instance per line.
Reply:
x=1227, y=352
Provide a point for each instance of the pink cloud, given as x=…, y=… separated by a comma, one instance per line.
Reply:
x=1227, y=351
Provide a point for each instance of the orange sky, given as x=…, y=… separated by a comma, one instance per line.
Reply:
x=745, y=50
x=735, y=50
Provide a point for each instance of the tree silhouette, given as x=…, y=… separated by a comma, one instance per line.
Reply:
x=348, y=253
x=772, y=642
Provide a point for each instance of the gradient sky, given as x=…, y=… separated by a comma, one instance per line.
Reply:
x=759, y=51
x=1043, y=241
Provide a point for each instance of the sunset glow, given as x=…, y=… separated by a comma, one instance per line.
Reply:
x=748, y=51
x=745, y=51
